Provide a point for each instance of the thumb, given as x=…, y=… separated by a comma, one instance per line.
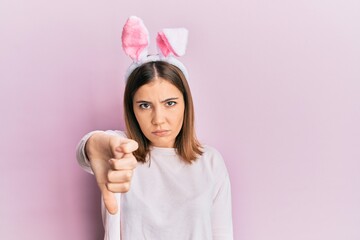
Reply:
x=109, y=200
x=100, y=169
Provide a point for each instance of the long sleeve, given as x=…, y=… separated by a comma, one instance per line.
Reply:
x=221, y=216
x=81, y=155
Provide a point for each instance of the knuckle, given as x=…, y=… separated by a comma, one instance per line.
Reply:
x=136, y=145
x=109, y=176
x=118, y=187
x=117, y=165
x=125, y=187
x=112, y=163
x=134, y=163
x=128, y=175
x=110, y=187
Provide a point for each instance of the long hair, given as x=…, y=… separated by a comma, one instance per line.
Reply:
x=186, y=144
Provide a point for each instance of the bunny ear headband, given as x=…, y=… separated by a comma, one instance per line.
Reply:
x=170, y=42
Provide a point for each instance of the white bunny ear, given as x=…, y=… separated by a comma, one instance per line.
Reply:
x=172, y=41
x=135, y=38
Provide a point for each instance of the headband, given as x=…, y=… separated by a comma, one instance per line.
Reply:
x=171, y=43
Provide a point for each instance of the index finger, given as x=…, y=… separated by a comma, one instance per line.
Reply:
x=127, y=146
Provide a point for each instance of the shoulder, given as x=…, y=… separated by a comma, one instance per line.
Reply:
x=213, y=158
x=211, y=152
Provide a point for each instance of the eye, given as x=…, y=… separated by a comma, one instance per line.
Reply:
x=171, y=103
x=144, y=105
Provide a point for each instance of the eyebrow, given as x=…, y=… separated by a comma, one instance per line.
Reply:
x=166, y=100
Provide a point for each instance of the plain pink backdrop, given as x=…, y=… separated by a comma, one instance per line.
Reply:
x=276, y=90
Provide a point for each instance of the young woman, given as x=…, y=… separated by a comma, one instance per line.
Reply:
x=157, y=180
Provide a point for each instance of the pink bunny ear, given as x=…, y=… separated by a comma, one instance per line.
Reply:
x=172, y=40
x=135, y=38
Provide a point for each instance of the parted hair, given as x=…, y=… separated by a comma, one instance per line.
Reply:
x=186, y=144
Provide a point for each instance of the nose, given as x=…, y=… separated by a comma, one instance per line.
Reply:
x=158, y=116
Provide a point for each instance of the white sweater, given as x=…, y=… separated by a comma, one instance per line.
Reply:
x=169, y=199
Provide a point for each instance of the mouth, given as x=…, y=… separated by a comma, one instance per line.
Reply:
x=161, y=133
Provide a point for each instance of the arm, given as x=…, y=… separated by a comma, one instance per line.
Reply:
x=109, y=156
x=81, y=153
x=221, y=215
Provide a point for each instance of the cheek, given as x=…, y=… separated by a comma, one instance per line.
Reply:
x=140, y=119
x=179, y=117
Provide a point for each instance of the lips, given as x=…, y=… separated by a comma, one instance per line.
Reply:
x=161, y=133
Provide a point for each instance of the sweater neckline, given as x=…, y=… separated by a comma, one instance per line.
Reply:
x=162, y=150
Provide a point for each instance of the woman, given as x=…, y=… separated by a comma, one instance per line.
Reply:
x=179, y=189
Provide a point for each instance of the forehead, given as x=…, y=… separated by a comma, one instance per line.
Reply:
x=157, y=89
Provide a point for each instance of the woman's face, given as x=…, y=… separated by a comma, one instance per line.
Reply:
x=159, y=109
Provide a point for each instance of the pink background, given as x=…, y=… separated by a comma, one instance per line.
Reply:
x=276, y=88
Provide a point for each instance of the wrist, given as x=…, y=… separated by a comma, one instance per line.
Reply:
x=97, y=145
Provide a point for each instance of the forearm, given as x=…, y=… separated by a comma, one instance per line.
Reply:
x=85, y=148
x=99, y=142
x=222, y=213
x=81, y=157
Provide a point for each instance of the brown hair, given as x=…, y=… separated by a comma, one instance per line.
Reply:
x=186, y=144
